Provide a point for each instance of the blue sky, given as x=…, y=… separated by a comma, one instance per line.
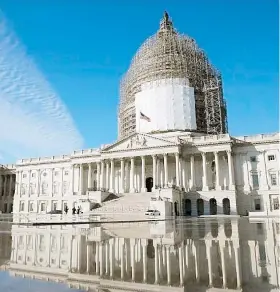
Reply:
x=81, y=48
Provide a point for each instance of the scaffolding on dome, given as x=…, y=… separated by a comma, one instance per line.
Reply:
x=170, y=55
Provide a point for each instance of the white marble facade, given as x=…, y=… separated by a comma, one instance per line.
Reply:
x=215, y=174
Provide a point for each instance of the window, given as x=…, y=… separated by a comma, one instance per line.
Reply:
x=276, y=204
x=55, y=206
x=5, y=208
x=271, y=157
x=273, y=179
x=56, y=173
x=24, y=175
x=257, y=204
x=253, y=159
x=55, y=188
x=44, y=188
x=31, y=207
x=66, y=172
x=33, y=174
x=43, y=207
x=21, y=207
x=65, y=187
x=255, y=180
x=44, y=174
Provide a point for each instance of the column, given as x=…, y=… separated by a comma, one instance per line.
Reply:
x=230, y=171
x=107, y=183
x=222, y=249
x=165, y=162
x=245, y=172
x=81, y=179
x=101, y=258
x=183, y=169
x=154, y=172
x=38, y=182
x=192, y=183
x=217, y=168
x=11, y=184
x=143, y=184
x=89, y=176
x=122, y=260
x=205, y=186
x=237, y=264
x=106, y=257
x=158, y=172
x=132, y=245
x=132, y=187
x=112, y=180
x=181, y=265
x=1, y=183
x=61, y=183
x=5, y=184
x=264, y=181
x=122, y=176
x=98, y=176
x=209, y=259
x=177, y=169
x=102, y=175
x=73, y=178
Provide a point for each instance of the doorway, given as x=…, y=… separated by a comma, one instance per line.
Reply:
x=149, y=184
x=213, y=207
x=188, y=207
x=226, y=206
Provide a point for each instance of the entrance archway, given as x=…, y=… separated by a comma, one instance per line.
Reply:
x=149, y=184
x=213, y=206
x=226, y=206
x=188, y=207
x=200, y=207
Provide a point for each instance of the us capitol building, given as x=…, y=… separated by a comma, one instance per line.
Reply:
x=173, y=152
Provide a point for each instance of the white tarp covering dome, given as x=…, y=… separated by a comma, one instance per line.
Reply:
x=168, y=55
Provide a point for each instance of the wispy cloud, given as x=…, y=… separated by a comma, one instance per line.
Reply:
x=34, y=121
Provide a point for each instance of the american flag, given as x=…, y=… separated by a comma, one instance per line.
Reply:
x=144, y=117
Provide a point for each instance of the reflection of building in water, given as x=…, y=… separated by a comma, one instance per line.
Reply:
x=5, y=246
x=221, y=254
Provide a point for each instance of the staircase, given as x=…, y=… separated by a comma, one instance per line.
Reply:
x=128, y=204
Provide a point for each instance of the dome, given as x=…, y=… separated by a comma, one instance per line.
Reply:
x=166, y=55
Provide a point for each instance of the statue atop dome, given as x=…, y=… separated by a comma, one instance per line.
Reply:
x=166, y=24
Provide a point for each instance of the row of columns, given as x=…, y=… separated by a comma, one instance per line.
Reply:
x=105, y=173
x=5, y=188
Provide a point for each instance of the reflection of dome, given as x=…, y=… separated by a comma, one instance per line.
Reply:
x=169, y=55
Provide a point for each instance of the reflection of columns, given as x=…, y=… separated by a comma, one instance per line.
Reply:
x=98, y=176
x=222, y=250
x=132, y=187
x=230, y=171
x=177, y=169
x=204, y=178
x=181, y=265
x=97, y=260
x=208, y=254
x=154, y=171
x=165, y=162
x=156, y=263
x=107, y=186
x=145, y=271
x=122, y=176
x=81, y=178
x=112, y=257
x=107, y=258
x=112, y=181
x=160, y=261
x=88, y=258
x=89, y=175
x=192, y=182
x=101, y=258
x=168, y=265
x=132, y=245
x=237, y=265
x=122, y=259
x=217, y=168
x=196, y=260
x=143, y=186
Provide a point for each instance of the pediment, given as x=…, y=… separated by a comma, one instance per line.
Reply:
x=138, y=141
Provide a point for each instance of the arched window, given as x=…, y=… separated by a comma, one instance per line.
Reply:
x=200, y=207
x=213, y=206
x=226, y=206
x=188, y=207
